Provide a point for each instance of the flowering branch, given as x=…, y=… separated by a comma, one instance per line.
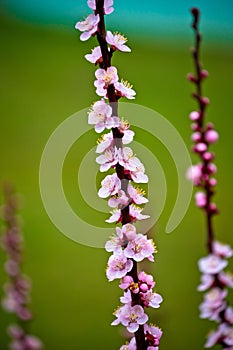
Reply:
x=127, y=246
x=17, y=289
x=214, y=280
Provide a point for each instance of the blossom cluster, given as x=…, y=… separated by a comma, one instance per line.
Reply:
x=16, y=298
x=125, y=197
x=214, y=282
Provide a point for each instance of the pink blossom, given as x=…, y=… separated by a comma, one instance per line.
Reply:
x=9, y=303
x=229, y=315
x=107, y=6
x=116, y=242
x=130, y=317
x=126, y=158
x=132, y=164
x=115, y=217
x=206, y=282
x=89, y=26
x=16, y=345
x=124, y=89
x=24, y=313
x=151, y=299
x=107, y=140
x=110, y=185
x=117, y=41
x=153, y=335
x=194, y=174
x=213, y=338
x=227, y=334
x=226, y=279
x=100, y=116
x=127, y=137
x=140, y=248
x=104, y=79
x=124, y=128
x=146, y=282
x=222, y=250
x=126, y=299
x=15, y=331
x=213, y=304
x=130, y=346
x=95, y=56
x=32, y=343
x=118, y=266
x=137, y=195
x=120, y=200
x=135, y=213
x=129, y=231
x=108, y=159
x=12, y=267
x=126, y=281
x=211, y=264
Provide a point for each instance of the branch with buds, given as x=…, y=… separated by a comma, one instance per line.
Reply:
x=214, y=280
x=17, y=289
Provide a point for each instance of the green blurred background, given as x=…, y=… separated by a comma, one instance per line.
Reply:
x=44, y=80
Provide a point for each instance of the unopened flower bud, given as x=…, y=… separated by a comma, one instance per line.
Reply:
x=204, y=73
x=194, y=116
x=200, y=199
x=144, y=287
x=196, y=137
x=191, y=77
x=205, y=100
x=212, y=168
x=195, y=127
x=213, y=208
x=213, y=182
x=211, y=136
x=200, y=147
x=209, y=126
x=208, y=156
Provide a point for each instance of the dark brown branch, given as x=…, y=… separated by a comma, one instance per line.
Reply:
x=201, y=128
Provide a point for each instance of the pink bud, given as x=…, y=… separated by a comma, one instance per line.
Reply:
x=208, y=156
x=205, y=100
x=204, y=73
x=212, y=168
x=196, y=136
x=209, y=126
x=205, y=177
x=200, y=199
x=211, y=136
x=195, y=127
x=213, y=208
x=144, y=287
x=191, y=77
x=24, y=314
x=194, y=116
x=150, y=280
x=200, y=147
x=213, y=182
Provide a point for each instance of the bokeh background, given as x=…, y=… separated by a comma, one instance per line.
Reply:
x=45, y=79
